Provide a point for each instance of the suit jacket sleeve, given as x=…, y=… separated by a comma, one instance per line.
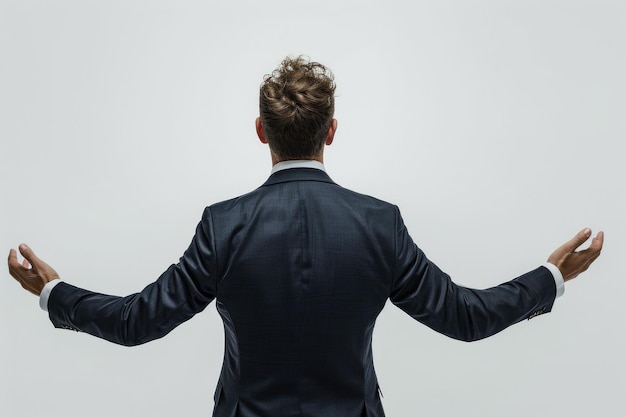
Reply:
x=180, y=292
x=428, y=295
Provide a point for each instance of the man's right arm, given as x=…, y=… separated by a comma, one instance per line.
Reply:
x=428, y=295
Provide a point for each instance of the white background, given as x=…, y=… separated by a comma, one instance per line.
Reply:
x=496, y=126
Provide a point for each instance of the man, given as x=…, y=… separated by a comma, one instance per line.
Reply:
x=300, y=268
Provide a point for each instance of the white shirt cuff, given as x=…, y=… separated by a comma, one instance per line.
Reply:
x=45, y=293
x=558, y=278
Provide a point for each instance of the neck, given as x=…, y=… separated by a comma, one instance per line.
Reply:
x=319, y=158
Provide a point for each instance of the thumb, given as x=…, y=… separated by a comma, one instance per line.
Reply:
x=29, y=255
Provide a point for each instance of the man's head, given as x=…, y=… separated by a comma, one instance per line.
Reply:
x=297, y=104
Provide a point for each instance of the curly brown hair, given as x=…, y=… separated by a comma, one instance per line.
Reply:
x=297, y=105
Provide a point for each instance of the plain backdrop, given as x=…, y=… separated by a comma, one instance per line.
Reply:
x=496, y=126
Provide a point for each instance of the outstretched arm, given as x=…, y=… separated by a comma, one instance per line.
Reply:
x=180, y=292
x=428, y=295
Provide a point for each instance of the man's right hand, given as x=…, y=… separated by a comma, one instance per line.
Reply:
x=569, y=261
x=32, y=273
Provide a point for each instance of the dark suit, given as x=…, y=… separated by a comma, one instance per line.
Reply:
x=300, y=269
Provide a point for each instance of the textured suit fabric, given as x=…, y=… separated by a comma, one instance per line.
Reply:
x=300, y=268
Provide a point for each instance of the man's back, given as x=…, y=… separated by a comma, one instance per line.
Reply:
x=304, y=267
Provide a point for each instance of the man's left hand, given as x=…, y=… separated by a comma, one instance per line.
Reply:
x=32, y=273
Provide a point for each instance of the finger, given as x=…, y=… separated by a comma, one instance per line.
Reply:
x=14, y=264
x=29, y=255
x=580, y=238
x=12, y=258
x=26, y=264
x=15, y=268
x=597, y=242
x=571, y=245
x=595, y=247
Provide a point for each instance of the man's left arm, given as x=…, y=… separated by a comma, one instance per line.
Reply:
x=180, y=292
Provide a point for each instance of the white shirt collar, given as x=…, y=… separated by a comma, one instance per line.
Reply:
x=298, y=163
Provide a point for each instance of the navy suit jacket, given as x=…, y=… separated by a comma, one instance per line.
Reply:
x=300, y=268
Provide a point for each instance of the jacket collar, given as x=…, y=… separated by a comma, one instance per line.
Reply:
x=298, y=174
